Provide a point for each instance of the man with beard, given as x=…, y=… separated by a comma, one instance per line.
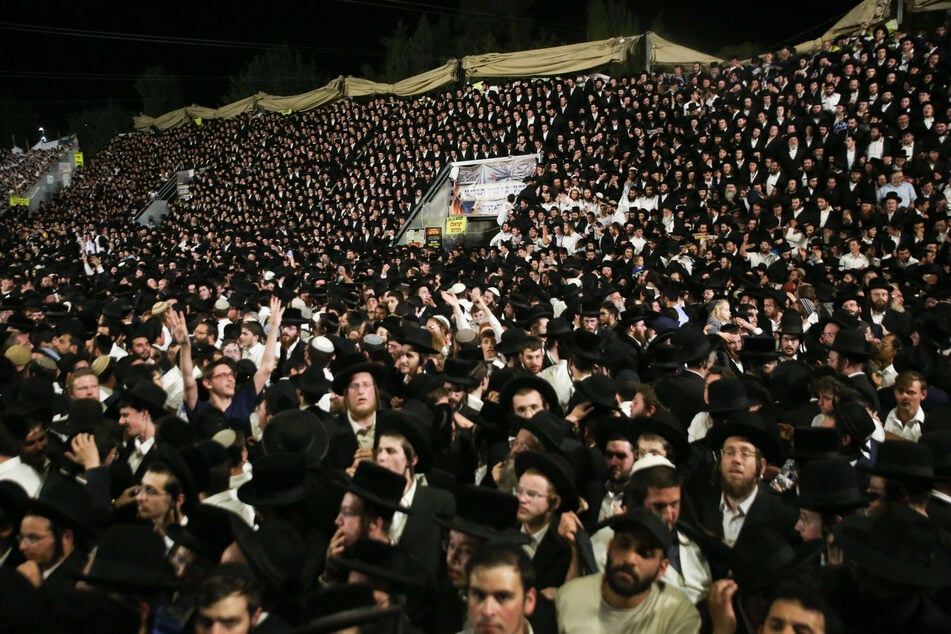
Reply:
x=628, y=596
x=353, y=431
x=882, y=314
x=746, y=441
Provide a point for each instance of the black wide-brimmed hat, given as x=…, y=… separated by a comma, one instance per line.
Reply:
x=130, y=558
x=828, y=485
x=692, y=345
x=726, y=396
x=662, y=423
x=556, y=469
x=759, y=349
x=902, y=546
x=751, y=426
x=814, y=443
x=275, y=552
x=383, y=562
x=549, y=428
x=511, y=341
x=456, y=371
x=790, y=324
x=583, y=345
x=345, y=374
x=903, y=461
x=420, y=339
x=598, y=389
x=527, y=381
x=280, y=479
x=293, y=317
x=485, y=513
x=208, y=531
x=66, y=502
x=297, y=431
x=852, y=344
x=146, y=395
x=377, y=485
x=417, y=432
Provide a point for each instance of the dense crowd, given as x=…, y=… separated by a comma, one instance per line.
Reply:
x=698, y=380
x=21, y=170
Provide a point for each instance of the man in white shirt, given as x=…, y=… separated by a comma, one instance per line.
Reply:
x=628, y=596
x=907, y=417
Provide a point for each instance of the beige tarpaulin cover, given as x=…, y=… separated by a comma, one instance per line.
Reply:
x=550, y=61
x=418, y=84
x=919, y=6
x=666, y=52
x=328, y=93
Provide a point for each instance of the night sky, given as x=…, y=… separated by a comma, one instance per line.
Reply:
x=66, y=56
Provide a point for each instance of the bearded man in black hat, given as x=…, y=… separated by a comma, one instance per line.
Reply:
x=745, y=442
x=51, y=536
x=847, y=356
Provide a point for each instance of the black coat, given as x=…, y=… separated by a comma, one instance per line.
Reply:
x=767, y=510
x=422, y=537
x=551, y=560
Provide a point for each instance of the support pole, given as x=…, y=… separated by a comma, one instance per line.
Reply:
x=647, y=51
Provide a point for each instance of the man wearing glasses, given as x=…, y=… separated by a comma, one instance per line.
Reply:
x=218, y=376
x=746, y=442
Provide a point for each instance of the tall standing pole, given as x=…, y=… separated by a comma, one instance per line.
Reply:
x=647, y=51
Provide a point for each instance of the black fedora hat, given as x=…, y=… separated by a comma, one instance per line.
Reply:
x=814, y=443
x=415, y=431
x=584, y=345
x=383, y=562
x=208, y=531
x=485, y=513
x=274, y=553
x=598, y=389
x=751, y=426
x=662, y=423
x=692, y=345
x=903, y=461
x=852, y=344
x=549, y=428
x=558, y=327
x=297, y=431
x=420, y=339
x=130, y=558
x=456, y=371
x=293, y=317
x=790, y=324
x=759, y=349
x=343, y=375
x=511, y=341
x=377, y=485
x=902, y=546
x=279, y=480
x=828, y=485
x=524, y=381
x=146, y=395
x=556, y=469
x=726, y=396
x=66, y=502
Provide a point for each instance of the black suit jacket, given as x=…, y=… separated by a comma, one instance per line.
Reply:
x=767, y=510
x=551, y=560
x=422, y=536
